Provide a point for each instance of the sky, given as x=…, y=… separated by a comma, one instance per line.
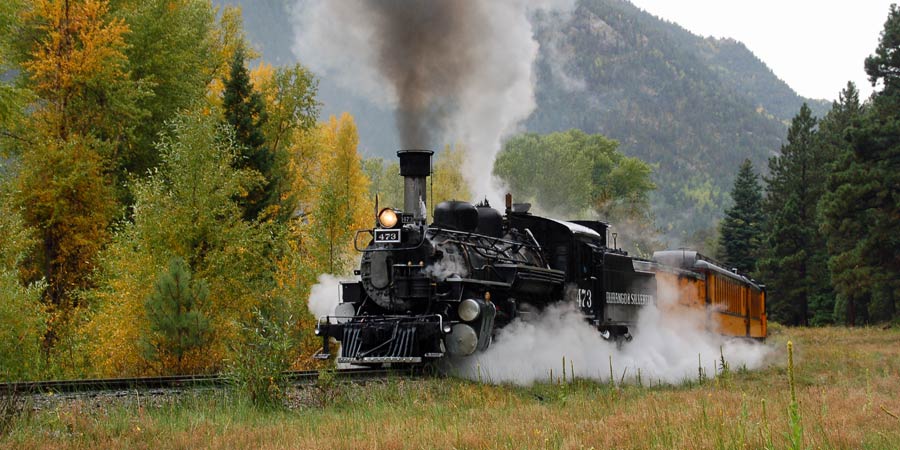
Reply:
x=816, y=46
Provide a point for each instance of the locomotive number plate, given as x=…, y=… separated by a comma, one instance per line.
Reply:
x=387, y=236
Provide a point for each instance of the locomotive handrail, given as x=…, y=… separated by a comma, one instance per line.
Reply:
x=492, y=243
x=327, y=318
x=480, y=251
x=481, y=236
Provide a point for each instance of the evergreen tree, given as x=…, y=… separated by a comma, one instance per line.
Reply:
x=742, y=227
x=867, y=201
x=793, y=242
x=245, y=111
x=839, y=226
x=177, y=326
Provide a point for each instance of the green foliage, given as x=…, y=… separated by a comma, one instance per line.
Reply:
x=293, y=105
x=582, y=176
x=245, y=112
x=23, y=325
x=860, y=213
x=387, y=183
x=567, y=162
x=268, y=348
x=175, y=316
x=334, y=218
x=794, y=262
x=22, y=318
x=742, y=227
x=838, y=224
x=11, y=97
x=170, y=52
x=292, y=109
x=187, y=208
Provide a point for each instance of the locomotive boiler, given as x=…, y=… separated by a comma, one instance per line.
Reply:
x=425, y=291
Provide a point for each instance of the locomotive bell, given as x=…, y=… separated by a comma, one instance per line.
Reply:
x=415, y=166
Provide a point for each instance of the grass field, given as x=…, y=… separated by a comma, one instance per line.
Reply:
x=847, y=384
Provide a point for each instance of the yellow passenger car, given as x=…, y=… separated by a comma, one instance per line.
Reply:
x=734, y=304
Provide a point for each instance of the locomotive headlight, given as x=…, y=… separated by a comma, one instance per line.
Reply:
x=468, y=310
x=387, y=218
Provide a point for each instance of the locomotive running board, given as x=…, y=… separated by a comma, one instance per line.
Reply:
x=379, y=359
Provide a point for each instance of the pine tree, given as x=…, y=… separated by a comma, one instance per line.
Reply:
x=177, y=324
x=742, y=227
x=245, y=112
x=793, y=242
x=867, y=201
x=839, y=225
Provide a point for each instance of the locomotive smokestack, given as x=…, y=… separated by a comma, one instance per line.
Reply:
x=415, y=166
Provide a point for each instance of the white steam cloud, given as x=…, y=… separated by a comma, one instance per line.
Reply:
x=325, y=295
x=667, y=347
x=474, y=83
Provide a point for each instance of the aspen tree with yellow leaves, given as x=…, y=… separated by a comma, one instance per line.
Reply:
x=448, y=181
x=341, y=204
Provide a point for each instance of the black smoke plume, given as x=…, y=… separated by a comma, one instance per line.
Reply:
x=427, y=50
x=454, y=71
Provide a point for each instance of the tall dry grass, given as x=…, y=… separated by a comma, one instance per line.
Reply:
x=845, y=394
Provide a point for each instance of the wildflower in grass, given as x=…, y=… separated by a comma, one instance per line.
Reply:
x=795, y=437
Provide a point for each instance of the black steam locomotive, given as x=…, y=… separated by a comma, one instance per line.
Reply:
x=426, y=291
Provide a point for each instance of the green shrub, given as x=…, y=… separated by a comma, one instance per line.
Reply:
x=269, y=346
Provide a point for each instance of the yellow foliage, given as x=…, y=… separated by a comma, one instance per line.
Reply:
x=64, y=196
x=120, y=319
x=448, y=182
x=228, y=37
x=80, y=47
x=345, y=169
x=333, y=192
x=262, y=76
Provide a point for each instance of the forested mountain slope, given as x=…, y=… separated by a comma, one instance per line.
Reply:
x=695, y=107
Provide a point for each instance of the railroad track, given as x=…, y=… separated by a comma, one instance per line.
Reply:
x=175, y=382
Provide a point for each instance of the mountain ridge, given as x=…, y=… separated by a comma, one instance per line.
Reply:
x=692, y=106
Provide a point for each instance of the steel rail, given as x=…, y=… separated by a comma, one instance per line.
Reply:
x=186, y=381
